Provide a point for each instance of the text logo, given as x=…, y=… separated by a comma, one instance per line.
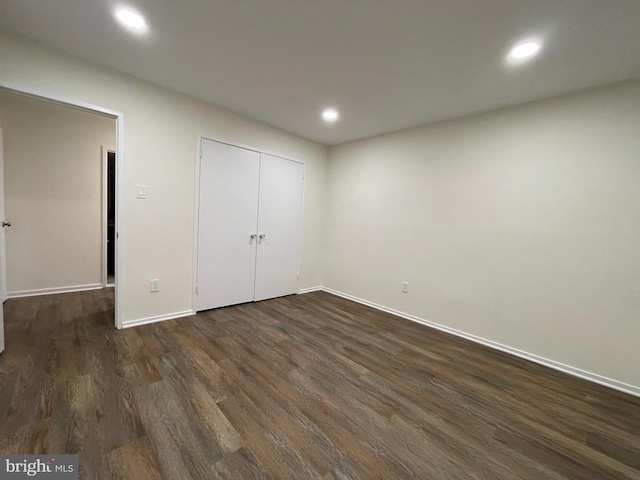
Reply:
x=50, y=467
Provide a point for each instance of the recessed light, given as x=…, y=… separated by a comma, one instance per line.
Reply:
x=524, y=50
x=330, y=114
x=131, y=20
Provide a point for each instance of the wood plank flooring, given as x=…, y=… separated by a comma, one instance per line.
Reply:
x=304, y=387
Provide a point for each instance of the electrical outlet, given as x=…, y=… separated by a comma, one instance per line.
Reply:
x=405, y=287
x=155, y=285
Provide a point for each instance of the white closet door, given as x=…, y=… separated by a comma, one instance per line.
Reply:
x=228, y=216
x=279, y=227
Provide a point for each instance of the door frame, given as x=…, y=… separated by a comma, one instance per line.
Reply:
x=196, y=203
x=3, y=248
x=105, y=228
x=118, y=116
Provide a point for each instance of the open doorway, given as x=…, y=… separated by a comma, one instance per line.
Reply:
x=109, y=215
x=48, y=213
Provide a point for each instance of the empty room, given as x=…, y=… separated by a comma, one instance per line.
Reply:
x=320, y=239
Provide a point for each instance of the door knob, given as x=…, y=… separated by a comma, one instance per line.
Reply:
x=6, y=224
x=253, y=236
x=262, y=235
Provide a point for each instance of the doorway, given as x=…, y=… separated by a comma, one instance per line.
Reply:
x=109, y=216
x=108, y=268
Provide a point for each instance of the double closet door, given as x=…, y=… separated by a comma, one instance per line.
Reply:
x=249, y=226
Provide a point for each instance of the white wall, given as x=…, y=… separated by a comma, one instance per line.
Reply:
x=53, y=193
x=520, y=226
x=160, y=130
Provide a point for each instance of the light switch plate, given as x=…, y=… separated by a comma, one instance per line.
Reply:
x=141, y=191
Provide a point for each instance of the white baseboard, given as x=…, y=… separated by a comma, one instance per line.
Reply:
x=158, y=318
x=576, y=372
x=53, y=291
x=309, y=290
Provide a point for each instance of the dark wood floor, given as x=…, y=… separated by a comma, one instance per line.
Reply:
x=309, y=386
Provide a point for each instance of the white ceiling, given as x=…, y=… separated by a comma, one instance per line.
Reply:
x=385, y=64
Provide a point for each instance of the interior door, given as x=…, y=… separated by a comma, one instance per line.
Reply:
x=279, y=227
x=3, y=269
x=227, y=225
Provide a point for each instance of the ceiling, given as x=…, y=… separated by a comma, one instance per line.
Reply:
x=384, y=64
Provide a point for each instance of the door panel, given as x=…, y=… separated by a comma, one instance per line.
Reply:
x=227, y=217
x=3, y=258
x=280, y=221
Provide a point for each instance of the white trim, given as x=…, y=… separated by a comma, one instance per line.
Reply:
x=304, y=195
x=61, y=100
x=53, y=291
x=158, y=318
x=52, y=97
x=310, y=289
x=576, y=372
x=246, y=147
x=119, y=201
x=196, y=224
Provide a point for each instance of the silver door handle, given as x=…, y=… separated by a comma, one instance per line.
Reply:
x=262, y=235
x=6, y=224
x=253, y=236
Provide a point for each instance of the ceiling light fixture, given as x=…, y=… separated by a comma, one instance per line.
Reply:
x=524, y=50
x=131, y=20
x=330, y=114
